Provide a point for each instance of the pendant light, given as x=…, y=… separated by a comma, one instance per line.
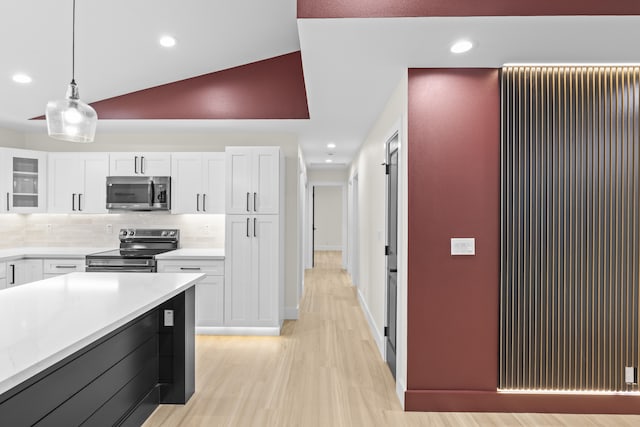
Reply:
x=70, y=119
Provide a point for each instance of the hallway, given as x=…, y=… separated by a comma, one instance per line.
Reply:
x=323, y=371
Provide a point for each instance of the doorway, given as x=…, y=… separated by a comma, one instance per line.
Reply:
x=392, y=252
x=327, y=216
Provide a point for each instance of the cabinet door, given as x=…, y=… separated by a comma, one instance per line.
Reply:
x=3, y=275
x=94, y=192
x=124, y=164
x=266, y=180
x=155, y=164
x=214, y=183
x=5, y=180
x=240, y=305
x=210, y=301
x=186, y=183
x=140, y=164
x=66, y=172
x=24, y=271
x=238, y=180
x=27, y=188
x=266, y=265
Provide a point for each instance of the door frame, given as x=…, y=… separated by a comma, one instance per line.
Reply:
x=309, y=228
x=353, y=242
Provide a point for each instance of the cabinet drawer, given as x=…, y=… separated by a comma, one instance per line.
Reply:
x=209, y=267
x=63, y=266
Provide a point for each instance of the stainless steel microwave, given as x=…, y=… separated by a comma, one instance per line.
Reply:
x=139, y=193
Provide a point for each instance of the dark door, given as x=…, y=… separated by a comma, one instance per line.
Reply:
x=392, y=251
x=313, y=226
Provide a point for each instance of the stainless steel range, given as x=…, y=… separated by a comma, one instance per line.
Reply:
x=138, y=248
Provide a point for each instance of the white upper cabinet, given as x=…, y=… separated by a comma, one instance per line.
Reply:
x=198, y=183
x=140, y=164
x=77, y=182
x=253, y=177
x=23, y=181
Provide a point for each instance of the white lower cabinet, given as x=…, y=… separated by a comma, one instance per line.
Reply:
x=209, y=291
x=57, y=267
x=252, y=271
x=3, y=275
x=23, y=271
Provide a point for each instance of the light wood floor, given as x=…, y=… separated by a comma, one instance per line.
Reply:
x=323, y=371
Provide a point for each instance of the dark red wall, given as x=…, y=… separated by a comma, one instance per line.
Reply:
x=453, y=301
x=269, y=89
x=413, y=8
x=454, y=165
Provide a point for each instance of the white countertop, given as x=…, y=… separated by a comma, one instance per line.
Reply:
x=43, y=322
x=48, y=252
x=192, y=253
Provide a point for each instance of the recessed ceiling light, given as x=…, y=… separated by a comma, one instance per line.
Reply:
x=167, y=41
x=331, y=145
x=328, y=161
x=461, y=46
x=21, y=78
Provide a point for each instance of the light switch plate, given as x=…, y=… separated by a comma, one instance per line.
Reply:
x=630, y=375
x=463, y=246
x=168, y=318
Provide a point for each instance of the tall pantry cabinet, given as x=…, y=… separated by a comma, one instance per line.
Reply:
x=254, y=242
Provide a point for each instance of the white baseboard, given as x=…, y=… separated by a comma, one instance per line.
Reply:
x=377, y=335
x=328, y=247
x=291, y=313
x=238, y=330
x=400, y=389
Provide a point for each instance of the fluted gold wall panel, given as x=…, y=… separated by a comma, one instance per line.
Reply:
x=570, y=225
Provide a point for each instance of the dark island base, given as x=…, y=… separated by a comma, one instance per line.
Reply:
x=118, y=380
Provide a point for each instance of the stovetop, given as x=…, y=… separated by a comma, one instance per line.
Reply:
x=142, y=243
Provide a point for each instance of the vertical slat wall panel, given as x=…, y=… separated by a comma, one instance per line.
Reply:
x=570, y=225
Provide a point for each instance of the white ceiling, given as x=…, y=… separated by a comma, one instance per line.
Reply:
x=351, y=66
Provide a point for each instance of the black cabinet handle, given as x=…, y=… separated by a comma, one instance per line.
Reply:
x=7, y=202
x=248, y=228
x=13, y=274
x=80, y=202
x=248, y=210
x=73, y=202
x=254, y=227
x=255, y=209
x=142, y=164
x=135, y=164
x=190, y=268
x=198, y=202
x=204, y=203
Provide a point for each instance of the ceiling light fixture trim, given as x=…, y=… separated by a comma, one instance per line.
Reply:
x=21, y=78
x=167, y=41
x=461, y=46
x=70, y=119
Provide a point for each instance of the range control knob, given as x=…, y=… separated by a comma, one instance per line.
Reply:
x=164, y=233
x=132, y=232
x=172, y=233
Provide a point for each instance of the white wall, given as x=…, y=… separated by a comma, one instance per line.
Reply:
x=73, y=230
x=372, y=225
x=10, y=138
x=328, y=218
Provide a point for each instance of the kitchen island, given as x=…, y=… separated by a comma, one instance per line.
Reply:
x=102, y=348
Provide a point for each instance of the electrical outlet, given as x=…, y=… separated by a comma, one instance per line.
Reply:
x=168, y=318
x=49, y=228
x=109, y=228
x=206, y=229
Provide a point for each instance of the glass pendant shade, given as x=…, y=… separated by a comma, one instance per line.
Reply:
x=71, y=119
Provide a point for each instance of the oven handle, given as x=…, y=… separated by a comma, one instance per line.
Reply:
x=120, y=270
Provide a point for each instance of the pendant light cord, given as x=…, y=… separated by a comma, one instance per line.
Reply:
x=73, y=45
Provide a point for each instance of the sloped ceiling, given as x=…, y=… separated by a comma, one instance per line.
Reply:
x=238, y=65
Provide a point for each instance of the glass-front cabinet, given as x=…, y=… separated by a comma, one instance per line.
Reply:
x=23, y=181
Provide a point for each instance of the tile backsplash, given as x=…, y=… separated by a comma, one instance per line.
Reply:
x=196, y=231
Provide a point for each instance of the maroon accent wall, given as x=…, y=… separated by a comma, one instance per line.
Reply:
x=415, y=8
x=453, y=301
x=454, y=191
x=270, y=89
